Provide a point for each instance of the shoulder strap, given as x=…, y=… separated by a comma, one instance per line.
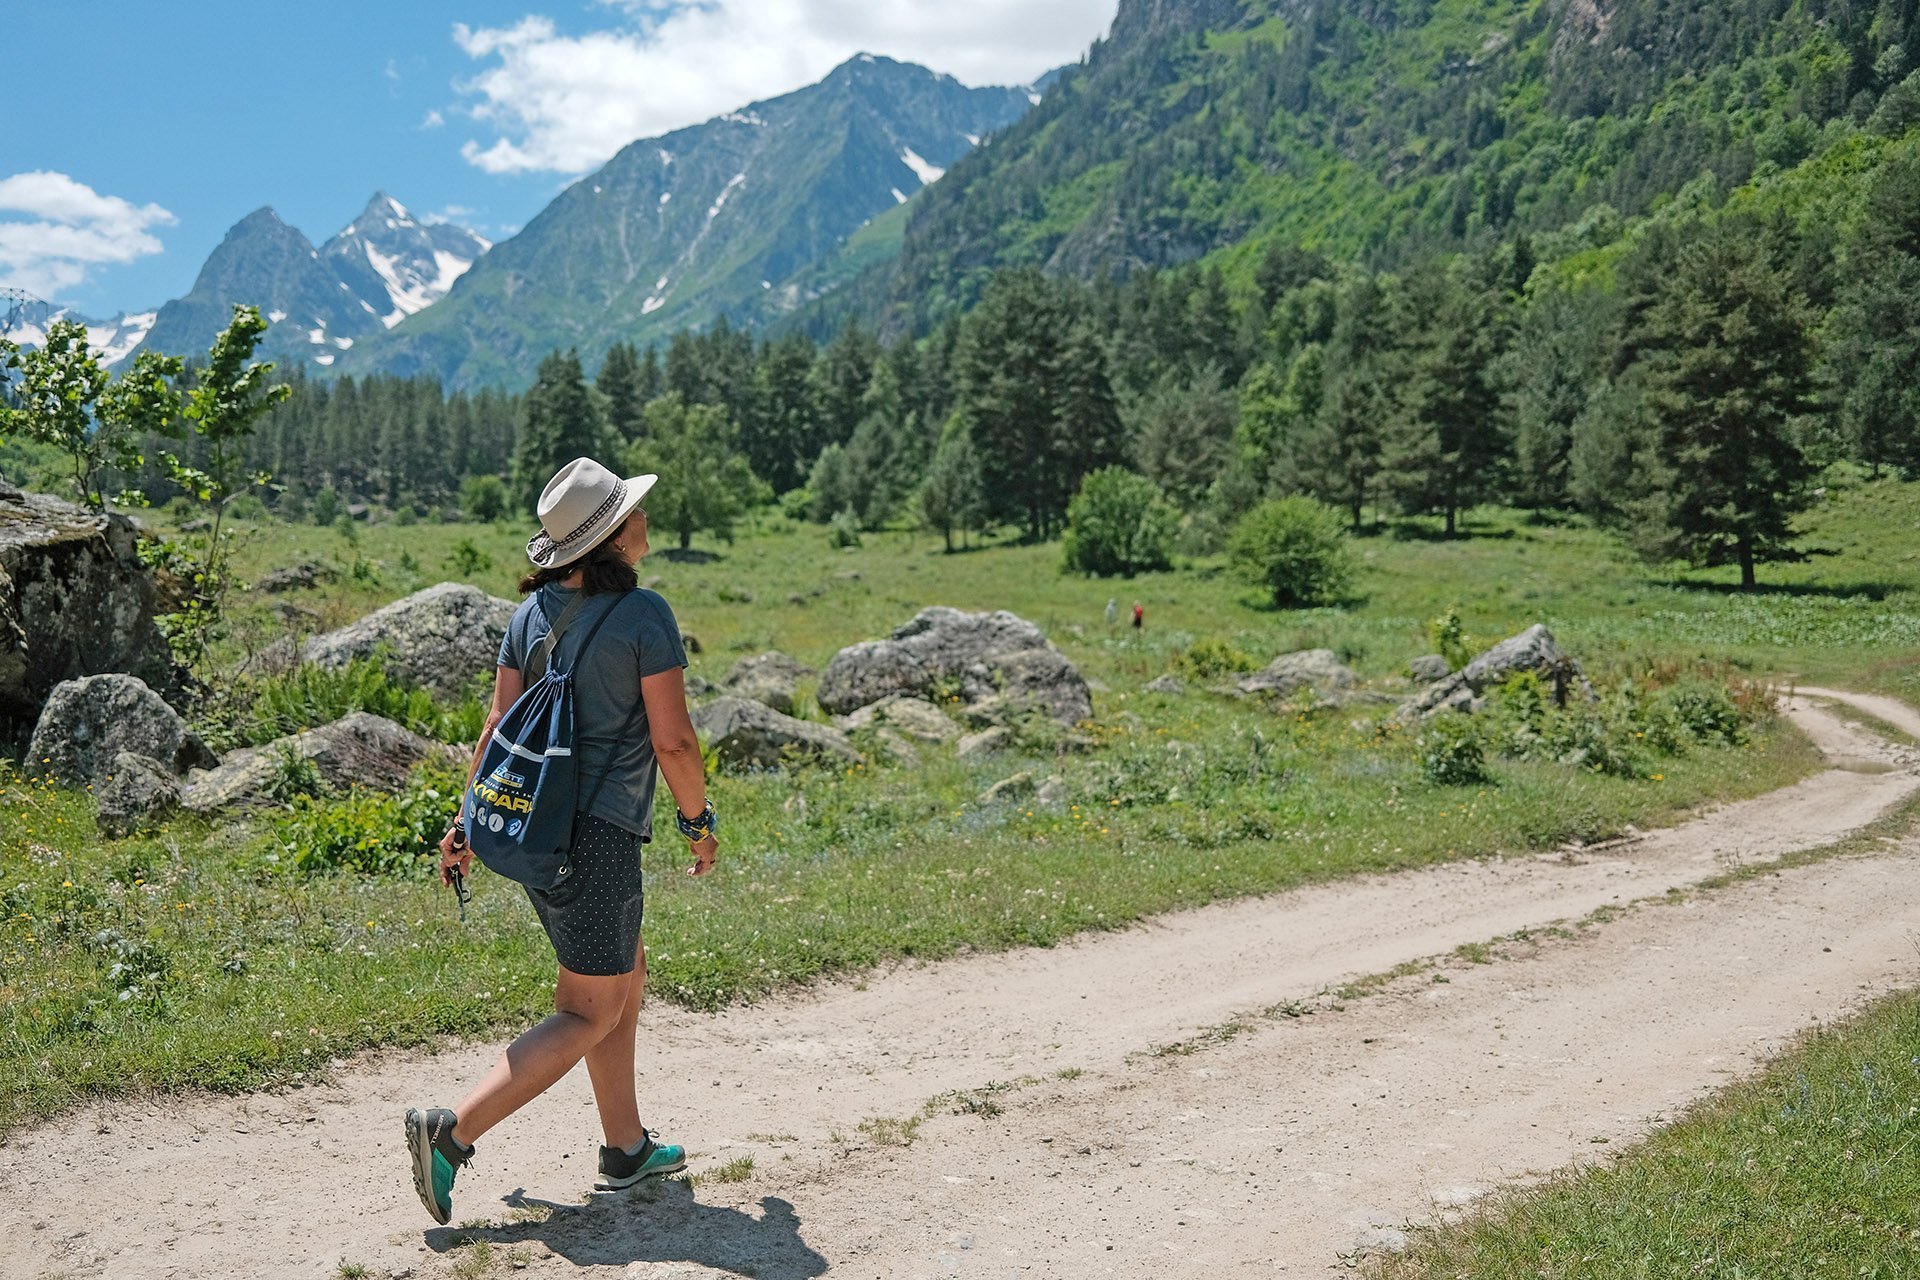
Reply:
x=542, y=652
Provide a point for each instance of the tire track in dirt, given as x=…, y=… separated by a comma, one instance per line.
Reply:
x=1266, y=1151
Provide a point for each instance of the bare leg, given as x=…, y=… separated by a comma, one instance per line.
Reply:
x=610, y=1064
x=586, y=1008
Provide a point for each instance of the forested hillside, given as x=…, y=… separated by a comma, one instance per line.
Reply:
x=1380, y=131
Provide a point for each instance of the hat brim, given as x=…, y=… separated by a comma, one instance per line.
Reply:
x=550, y=556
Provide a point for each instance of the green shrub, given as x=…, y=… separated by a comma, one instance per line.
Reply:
x=1119, y=524
x=1451, y=753
x=467, y=559
x=844, y=529
x=483, y=498
x=294, y=776
x=372, y=832
x=1209, y=659
x=251, y=712
x=1449, y=638
x=1297, y=549
x=247, y=507
x=326, y=506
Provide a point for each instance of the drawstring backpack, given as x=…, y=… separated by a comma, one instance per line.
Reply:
x=520, y=810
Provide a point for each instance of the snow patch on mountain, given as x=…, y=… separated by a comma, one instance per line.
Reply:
x=110, y=341
x=927, y=173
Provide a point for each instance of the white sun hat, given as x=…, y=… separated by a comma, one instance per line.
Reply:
x=581, y=506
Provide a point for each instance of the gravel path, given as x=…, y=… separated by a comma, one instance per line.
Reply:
x=1008, y=1115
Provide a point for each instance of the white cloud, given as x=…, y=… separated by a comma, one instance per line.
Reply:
x=432, y=120
x=54, y=230
x=565, y=103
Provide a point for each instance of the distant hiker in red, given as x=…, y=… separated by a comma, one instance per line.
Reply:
x=1139, y=615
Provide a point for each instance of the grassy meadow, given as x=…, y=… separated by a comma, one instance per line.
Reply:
x=250, y=952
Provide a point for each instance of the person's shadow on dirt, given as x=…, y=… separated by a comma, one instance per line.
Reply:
x=654, y=1222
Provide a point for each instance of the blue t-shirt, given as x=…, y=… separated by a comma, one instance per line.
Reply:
x=611, y=734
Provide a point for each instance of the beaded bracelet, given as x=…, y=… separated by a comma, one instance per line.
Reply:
x=700, y=828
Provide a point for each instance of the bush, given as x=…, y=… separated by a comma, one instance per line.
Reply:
x=1119, y=523
x=1449, y=638
x=1451, y=752
x=1297, y=549
x=251, y=712
x=483, y=498
x=843, y=530
x=467, y=559
x=326, y=506
x=374, y=833
x=1209, y=659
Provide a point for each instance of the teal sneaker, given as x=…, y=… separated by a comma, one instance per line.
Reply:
x=436, y=1157
x=647, y=1160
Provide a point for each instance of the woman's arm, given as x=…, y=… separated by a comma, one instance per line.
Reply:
x=677, y=748
x=508, y=684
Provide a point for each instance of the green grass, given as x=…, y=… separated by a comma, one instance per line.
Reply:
x=1806, y=1171
x=196, y=956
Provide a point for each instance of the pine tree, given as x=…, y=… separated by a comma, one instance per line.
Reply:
x=562, y=422
x=953, y=495
x=1729, y=354
x=620, y=382
x=781, y=431
x=1444, y=452
x=1555, y=363
x=1875, y=353
x=1182, y=435
x=1339, y=459
x=841, y=378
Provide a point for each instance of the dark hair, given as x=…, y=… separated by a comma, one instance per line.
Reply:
x=601, y=570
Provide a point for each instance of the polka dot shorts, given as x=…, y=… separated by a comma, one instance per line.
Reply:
x=593, y=916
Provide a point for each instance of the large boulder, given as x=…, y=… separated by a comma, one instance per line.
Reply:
x=438, y=639
x=988, y=653
x=914, y=717
x=75, y=600
x=87, y=722
x=1532, y=650
x=360, y=750
x=742, y=731
x=1317, y=669
x=136, y=790
x=769, y=678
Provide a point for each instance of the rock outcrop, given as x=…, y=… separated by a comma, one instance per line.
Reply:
x=438, y=639
x=136, y=790
x=89, y=721
x=744, y=732
x=1317, y=669
x=362, y=750
x=74, y=600
x=913, y=717
x=988, y=654
x=1532, y=650
x=769, y=678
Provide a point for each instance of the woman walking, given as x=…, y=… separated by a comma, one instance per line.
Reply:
x=630, y=716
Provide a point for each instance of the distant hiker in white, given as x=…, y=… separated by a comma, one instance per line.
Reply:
x=1113, y=610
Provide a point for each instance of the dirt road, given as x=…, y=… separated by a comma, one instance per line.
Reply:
x=1009, y=1116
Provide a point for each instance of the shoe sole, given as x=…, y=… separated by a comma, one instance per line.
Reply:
x=420, y=1146
x=604, y=1183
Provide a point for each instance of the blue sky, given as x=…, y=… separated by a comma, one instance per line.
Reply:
x=140, y=132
